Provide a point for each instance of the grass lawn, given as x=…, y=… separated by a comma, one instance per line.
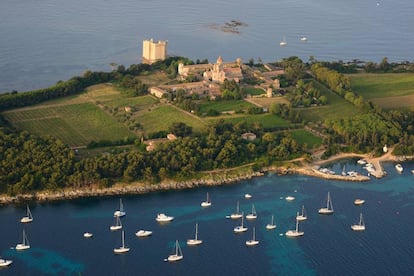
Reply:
x=304, y=137
x=385, y=90
x=254, y=91
x=336, y=108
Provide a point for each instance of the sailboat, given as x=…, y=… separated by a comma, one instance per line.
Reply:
x=122, y=248
x=206, y=203
x=240, y=228
x=4, y=262
x=328, y=210
x=303, y=215
x=118, y=224
x=237, y=215
x=195, y=241
x=28, y=217
x=272, y=224
x=283, y=42
x=178, y=253
x=120, y=212
x=253, y=241
x=25, y=243
x=253, y=214
x=343, y=171
x=360, y=226
x=296, y=232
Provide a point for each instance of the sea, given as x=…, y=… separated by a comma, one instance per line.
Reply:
x=328, y=246
x=44, y=41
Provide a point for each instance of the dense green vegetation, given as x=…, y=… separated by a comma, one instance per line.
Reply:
x=118, y=117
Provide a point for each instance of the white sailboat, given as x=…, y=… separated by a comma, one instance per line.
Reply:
x=253, y=241
x=206, y=203
x=161, y=217
x=195, y=241
x=178, y=253
x=253, y=214
x=272, y=224
x=302, y=216
x=28, y=217
x=117, y=225
x=122, y=248
x=240, y=228
x=361, y=224
x=4, y=262
x=237, y=215
x=25, y=243
x=283, y=42
x=328, y=210
x=296, y=232
x=120, y=212
x=143, y=233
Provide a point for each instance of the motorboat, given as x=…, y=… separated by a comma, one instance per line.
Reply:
x=161, y=217
x=143, y=233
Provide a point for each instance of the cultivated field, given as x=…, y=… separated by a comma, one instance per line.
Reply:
x=385, y=90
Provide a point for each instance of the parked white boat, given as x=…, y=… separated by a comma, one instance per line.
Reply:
x=122, y=248
x=28, y=217
x=195, y=241
x=4, y=262
x=240, y=228
x=253, y=241
x=362, y=161
x=302, y=216
x=247, y=196
x=399, y=168
x=178, y=253
x=117, y=225
x=120, y=212
x=328, y=210
x=303, y=38
x=207, y=202
x=237, y=214
x=290, y=198
x=253, y=214
x=272, y=224
x=87, y=235
x=412, y=171
x=296, y=232
x=25, y=243
x=143, y=233
x=359, y=201
x=361, y=224
x=161, y=217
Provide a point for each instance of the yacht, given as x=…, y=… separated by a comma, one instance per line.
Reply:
x=178, y=253
x=272, y=224
x=302, y=216
x=328, y=210
x=296, y=232
x=28, y=218
x=290, y=198
x=283, y=42
x=143, y=233
x=120, y=212
x=4, y=262
x=207, y=202
x=122, y=248
x=87, y=235
x=360, y=226
x=253, y=241
x=247, y=196
x=253, y=214
x=359, y=201
x=161, y=217
x=25, y=243
x=303, y=38
x=237, y=215
x=195, y=241
x=240, y=228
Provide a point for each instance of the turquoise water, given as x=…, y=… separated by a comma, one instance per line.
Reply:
x=328, y=247
x=45, y=41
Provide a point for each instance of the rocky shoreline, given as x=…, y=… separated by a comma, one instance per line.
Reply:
x=143, y=188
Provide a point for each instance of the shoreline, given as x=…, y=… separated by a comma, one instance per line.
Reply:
x=136, y=188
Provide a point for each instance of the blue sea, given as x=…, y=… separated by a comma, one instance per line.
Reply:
x=44, y=41
x=328, y=247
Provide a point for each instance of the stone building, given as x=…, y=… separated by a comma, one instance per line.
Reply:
x=153, y=51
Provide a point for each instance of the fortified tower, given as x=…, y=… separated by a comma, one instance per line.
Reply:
x=153, y=51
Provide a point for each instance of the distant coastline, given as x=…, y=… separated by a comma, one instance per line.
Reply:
x=309, y=169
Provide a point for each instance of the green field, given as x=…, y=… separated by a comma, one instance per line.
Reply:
x=254, y=91
x=267, y=120
x=336, y=108
x=76, y=124
x=162, y=117
x=304, y=137
x=223, y=106
x=385, y=90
